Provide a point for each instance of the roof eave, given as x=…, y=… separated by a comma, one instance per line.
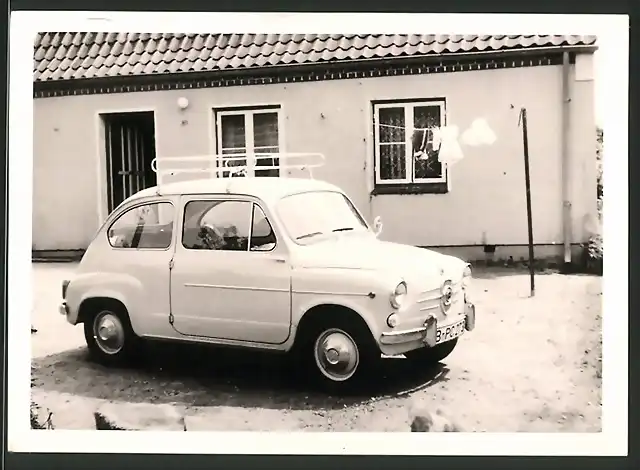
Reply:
x=374, y=61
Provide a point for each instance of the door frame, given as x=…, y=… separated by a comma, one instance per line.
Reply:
x=101, y=153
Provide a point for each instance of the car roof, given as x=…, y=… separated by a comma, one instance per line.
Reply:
x=268, y=189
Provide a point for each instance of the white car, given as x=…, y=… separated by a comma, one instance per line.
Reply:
x=283, y=264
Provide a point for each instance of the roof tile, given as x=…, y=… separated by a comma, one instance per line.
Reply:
x=151, y=46
x=65, y=64
x=83, y=51
x=198, y=65
x=162, y=67
x=90, y=73
x=127, y=48
x=109, y=61
x=145, y=58
x=123, y=59
x=39, y=54
x=94, y=50
x=88, y=62
x=78, y=73
x=55, y=40
x=69, y=56
x=138, y=48
x=114, y=71
x=198, y=42
x=157, y=57
x=149, y=68
x=56, y=74
x=98, y=62
x=46, y=75
x=174, y=66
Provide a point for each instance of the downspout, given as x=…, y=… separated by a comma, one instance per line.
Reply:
x=566, y=163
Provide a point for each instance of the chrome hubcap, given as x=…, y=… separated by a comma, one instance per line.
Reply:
x=108, y=333
x=336, y=355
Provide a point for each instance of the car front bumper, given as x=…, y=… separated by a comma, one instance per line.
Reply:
x=427, y=332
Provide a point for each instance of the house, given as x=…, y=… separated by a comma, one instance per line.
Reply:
x=106, y=104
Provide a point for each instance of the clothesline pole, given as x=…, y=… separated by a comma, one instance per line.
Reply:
x=527, y=182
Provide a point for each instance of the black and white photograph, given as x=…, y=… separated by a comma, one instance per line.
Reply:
x=238, y=227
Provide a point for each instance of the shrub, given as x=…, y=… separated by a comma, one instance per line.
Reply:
x=35, y=418
x=34, y=411
x=593, y=250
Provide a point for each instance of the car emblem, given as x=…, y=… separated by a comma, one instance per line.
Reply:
x=447, y=295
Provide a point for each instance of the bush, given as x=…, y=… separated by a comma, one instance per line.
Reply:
x=35, y=418
x=36, y=422
x=595, y=254
x=593, y=251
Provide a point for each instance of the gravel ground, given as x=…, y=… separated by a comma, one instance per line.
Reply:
x=531, y=364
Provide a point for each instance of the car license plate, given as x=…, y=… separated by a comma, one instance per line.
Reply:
x=447, y=333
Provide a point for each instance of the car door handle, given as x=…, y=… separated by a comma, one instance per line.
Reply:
x=279, y=260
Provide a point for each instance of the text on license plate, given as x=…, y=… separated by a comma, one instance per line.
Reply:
x=450, y=332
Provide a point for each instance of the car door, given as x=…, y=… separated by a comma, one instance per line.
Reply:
x=136, y=252
x=230, y=278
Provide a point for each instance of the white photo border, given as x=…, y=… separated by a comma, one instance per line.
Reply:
x=613, y=34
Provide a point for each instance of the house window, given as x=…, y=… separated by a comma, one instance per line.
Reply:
x=249, y=132
x=406, y=157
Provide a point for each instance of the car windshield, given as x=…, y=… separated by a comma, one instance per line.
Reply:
x=308, y=216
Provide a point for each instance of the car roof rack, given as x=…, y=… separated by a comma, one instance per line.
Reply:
x=234, y=164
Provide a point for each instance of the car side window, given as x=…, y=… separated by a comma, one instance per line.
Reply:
x=217, y=225
x=148, y=226
x=262, y=236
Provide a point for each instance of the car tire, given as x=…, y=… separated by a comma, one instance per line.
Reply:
x=326, y=369
x=431, y=356
x=110, y=337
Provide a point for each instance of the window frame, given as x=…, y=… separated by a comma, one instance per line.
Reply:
x=126, y=210
x=266, y=217
x=252, y=203
x=248, y=112
x=408, y=184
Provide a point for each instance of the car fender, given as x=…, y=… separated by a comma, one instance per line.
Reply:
x=121, y=287
x=363, y=306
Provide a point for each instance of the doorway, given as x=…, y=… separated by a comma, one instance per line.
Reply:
x=130, y=147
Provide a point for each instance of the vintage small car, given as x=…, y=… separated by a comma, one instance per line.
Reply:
x=281, y=264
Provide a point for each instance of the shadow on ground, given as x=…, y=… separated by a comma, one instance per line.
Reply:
x=205, y=376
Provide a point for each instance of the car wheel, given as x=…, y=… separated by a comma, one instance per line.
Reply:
x=109, y=336
x=433, y=355
x=339, y=357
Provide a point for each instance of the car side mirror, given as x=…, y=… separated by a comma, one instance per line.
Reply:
x=377, y=225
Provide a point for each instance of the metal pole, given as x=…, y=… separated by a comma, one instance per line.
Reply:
x=527, y=181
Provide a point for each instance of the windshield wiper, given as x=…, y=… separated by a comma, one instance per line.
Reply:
x=307, y=235
x=344, y=229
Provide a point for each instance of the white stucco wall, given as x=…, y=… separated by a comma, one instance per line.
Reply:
x=486, y=203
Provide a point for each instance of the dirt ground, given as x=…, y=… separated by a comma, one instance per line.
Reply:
x=531, y=364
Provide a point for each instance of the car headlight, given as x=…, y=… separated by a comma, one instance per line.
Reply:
x=398, y=295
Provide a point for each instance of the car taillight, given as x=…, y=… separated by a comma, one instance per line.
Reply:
x=65, y=284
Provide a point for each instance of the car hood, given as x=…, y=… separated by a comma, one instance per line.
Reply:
x=369, y=253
